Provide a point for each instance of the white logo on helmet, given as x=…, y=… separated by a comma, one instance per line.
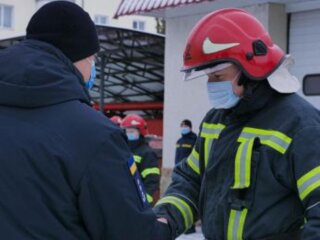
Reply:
x=134, y=122
x=209, y=47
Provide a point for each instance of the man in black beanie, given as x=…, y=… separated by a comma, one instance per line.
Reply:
x=65, y=170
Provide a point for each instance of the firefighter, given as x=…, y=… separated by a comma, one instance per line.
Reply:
x=65, y=172
x=185, y=143
x=184, y=147
x=145, y=158
x=116, y=120
x=254, y=172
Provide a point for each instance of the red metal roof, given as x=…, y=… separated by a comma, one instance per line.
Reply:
x=130, y=7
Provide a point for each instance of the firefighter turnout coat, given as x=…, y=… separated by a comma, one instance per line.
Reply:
x=147, y=164
x=254, y=172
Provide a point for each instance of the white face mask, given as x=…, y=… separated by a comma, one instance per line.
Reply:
x=221, y=95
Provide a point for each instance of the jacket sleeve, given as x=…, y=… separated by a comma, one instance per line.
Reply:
x=150, y=173
x=109, y=201
x=306, y=169
x=179, y=205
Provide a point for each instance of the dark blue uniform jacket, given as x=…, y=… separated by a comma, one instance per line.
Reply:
x=63, y=166
x=184, y=146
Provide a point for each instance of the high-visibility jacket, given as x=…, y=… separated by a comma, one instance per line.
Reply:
x=184, y=146
x=147, y=164
x=253, y=173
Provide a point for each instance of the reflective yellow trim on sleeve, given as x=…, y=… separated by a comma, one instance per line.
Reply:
x=236, y=224
x=182, y=206
x=137, y=158
x=149, y=198
x=309, y=182
x=193, y=161
x=149, y=171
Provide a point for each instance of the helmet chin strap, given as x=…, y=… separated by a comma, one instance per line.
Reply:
x=243, y=80
x=249, y=85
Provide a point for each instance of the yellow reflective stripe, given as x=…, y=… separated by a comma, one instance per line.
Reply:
x=149, y=171
x=182, y=206
x=277, y=134
x=236, y=224
x=137, y=158
x=309, y=182
x=186, y=145
x=207, y=150
x=211, y=130
x=273, y=145
x=213, y=126
x=271, y=138
x=193, y=161
x=242, y=170
x=149, y=198
x=133, y=168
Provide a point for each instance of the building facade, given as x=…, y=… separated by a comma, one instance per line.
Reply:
x=15, y=14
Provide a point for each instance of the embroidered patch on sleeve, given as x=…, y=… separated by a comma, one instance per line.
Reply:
x=137, y=179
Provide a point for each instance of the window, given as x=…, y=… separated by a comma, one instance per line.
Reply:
x=6, y=15
x=139, y=25
x=311, y=85
x=101, y=20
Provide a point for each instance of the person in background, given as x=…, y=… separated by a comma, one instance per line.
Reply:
x=65, y=172
x=185, y=143
x=116, y=120
x=183, y=149
x=254, y=172
x=145, y=158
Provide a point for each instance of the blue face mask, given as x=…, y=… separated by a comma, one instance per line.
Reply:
x=184, y=130
x=92, y=79
x=221, y=95
x=132, y=136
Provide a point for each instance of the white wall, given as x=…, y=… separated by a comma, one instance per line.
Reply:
x=182, y=99
x=22, y=10
x=189, y=99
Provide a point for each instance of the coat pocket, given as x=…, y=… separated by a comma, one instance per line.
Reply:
x=241, y=195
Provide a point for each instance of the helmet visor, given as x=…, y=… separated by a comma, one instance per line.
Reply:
x=195, y=74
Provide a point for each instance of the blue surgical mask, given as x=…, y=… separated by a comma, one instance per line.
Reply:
x=184, y=130
x=132, y=136
x=92, y=79
x=221, y=95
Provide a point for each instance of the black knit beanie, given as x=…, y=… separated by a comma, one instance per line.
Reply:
x=66, y=26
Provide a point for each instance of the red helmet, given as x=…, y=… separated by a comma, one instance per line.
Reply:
x=116, y=119
x=135, y=121
x=232, y=35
